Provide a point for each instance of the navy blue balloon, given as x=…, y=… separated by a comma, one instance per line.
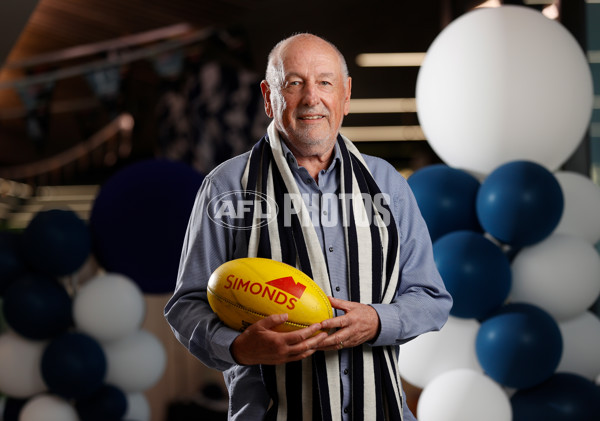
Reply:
x=139, y=218
x=563, y=397
x=37, y=307
x=520, y=346
x=475, y=271
x=520, y=203
x=73, y=365
x=56, y=242
x=108, y=403
x=12, y=264
x=446, y=197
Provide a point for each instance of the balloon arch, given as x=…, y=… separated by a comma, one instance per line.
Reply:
x=73, y=347
x=504, y=97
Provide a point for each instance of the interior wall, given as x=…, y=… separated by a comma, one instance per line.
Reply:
x=184, y=375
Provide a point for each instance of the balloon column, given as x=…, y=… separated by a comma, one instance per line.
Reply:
x=74, y=349
x=504, y=97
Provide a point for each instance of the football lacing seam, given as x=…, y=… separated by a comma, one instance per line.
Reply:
x=251, y=311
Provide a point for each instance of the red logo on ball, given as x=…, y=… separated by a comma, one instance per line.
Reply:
x=288, y=285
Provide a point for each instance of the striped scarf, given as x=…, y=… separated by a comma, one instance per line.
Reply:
x=310, y=389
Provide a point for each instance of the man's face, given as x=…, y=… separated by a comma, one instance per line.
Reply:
x=314, y=96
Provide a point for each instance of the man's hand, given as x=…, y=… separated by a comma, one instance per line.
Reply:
x=359, y=325
x=260, y=344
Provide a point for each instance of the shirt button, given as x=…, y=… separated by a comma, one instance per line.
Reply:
x=346, y=410
x=345, y=371
x=330, y=248
x=309, y=180
x=337, y=289
x=324, y=212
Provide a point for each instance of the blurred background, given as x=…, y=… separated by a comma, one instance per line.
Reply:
x=88, y=87
x=114, y=111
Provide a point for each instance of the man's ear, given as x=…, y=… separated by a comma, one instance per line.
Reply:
x=266, y=93
x=347, y=97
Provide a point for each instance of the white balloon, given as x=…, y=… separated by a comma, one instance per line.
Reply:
x=560, y=274
x=48, y=408
x=581, y=345
x=138, y=407
x=434, y=353
x=109, y=307
x=503, y=84
x=136, y=362
x=20, y=359
x=463, y=395
x=581, y=214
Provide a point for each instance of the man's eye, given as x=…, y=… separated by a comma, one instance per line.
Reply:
x=294, y=83
x=325, y=83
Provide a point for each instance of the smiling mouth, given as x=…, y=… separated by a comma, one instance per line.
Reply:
x=312, y=117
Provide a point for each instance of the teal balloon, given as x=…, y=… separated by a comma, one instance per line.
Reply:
x=520, y=203
x=520, y=346
x=446, y=197
x=475, y=272
x=563, y=397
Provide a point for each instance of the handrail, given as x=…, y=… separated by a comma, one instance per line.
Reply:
x=102, y=46
x=123, y=123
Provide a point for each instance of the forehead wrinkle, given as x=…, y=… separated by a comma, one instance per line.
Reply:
x=319, y=76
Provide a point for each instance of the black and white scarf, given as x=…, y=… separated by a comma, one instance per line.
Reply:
x=310, y=389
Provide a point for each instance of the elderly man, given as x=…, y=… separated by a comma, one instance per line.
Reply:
x=347, y=220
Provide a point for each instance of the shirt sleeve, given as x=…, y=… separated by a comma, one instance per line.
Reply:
x=206, y=246
x=422, y=303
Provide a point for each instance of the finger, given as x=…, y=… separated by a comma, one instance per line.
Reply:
x=308, y=346
x=334, y=342
x=329, y=348
x=306, y=339
x=336, y=322
x=303, y=334
x=301, y=356
x=341, y=304
x=272, y=321
x=335, y=302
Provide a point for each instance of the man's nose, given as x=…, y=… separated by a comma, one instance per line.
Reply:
x=311, y=94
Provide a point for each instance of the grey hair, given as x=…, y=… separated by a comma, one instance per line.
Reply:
x=274, y=73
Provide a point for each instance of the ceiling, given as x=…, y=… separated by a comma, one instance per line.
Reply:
x=42, y=37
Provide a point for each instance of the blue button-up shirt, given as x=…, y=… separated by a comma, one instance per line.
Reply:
x=421, y=304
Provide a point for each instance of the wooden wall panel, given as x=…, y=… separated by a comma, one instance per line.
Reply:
x=184, y=375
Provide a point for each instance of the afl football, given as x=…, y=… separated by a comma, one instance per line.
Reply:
x=246, y=290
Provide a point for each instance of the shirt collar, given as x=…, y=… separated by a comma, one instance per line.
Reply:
x=293, y=163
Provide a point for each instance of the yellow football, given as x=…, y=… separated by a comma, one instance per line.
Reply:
x=246, y=290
